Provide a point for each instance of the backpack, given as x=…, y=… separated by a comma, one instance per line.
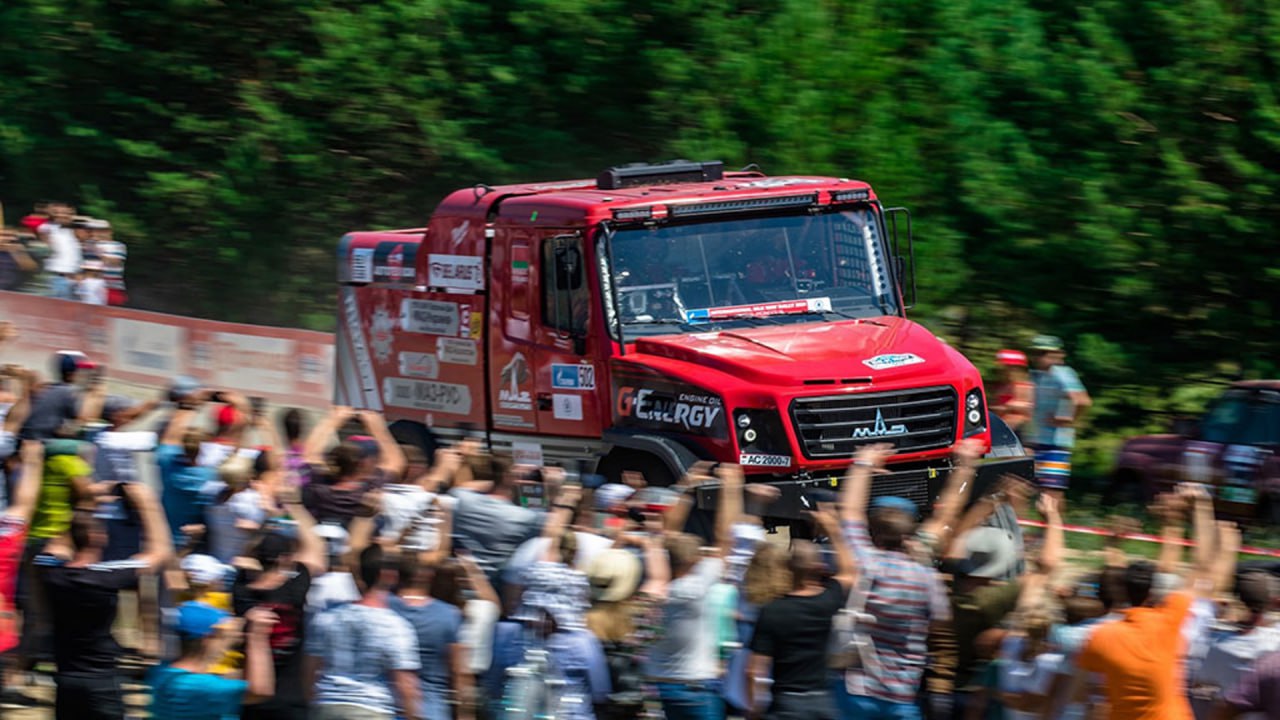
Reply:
x=850, y=648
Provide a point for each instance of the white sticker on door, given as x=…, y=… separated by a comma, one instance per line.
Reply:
x=429, y=316
x=455, y=272
x=417, y=364
x=457, y=352
x=427, y=395
x=566, y=407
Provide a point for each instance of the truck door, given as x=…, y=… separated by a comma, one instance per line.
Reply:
x=511, y=337
x=568, y=379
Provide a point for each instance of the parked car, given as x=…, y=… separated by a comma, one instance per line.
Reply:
x=1233, y=449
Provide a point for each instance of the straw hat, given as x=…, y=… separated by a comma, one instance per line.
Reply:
x=614, y=575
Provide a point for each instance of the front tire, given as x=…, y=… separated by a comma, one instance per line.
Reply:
x=655, y=471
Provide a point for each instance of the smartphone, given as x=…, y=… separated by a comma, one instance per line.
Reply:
x=218, y=396
x=257, y=402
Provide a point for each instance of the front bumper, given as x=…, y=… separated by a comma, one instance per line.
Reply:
x=920, y=484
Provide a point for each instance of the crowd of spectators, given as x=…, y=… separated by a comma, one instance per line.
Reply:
x=55, y=252
x=330, y=572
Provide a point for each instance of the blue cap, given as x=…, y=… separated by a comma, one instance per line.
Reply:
x=199, y=620
x=69, y=361
x=893, y=502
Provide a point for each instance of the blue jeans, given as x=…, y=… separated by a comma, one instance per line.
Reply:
x=869, y=708
x=693, y=701
x=61, y=287
x=435, y=703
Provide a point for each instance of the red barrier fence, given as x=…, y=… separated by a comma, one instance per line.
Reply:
x=288, y=367
x=1145, y=537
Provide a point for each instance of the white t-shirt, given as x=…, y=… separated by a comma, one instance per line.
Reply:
x=92, y=291
x=402, y=505
x=476, y=634
x=65, y=256
x=1230, y=656
x=1034, y=676
x=687, y=649
x=213, y=454
x=532, y=551
x=331, y=590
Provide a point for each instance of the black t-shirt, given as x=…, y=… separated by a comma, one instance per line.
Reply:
x=794, y=631
x=287, y=601
x=50, y=408
x=83, y=605
x=331, y=504
x=327, y=502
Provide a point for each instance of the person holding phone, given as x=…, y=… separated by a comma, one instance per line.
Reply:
x=59, y=407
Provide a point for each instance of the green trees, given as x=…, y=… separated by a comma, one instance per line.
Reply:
x=1103, y=171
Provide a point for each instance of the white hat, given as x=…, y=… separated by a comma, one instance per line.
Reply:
x=611, y=494
x=205, y=569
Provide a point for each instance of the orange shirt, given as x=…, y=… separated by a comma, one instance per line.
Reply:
x=1139, y=658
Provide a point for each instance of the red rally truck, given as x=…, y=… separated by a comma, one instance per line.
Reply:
x=660, y=315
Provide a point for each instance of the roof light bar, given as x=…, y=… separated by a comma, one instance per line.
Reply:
x=844, y=196
x=730, y=206
x=632, y=214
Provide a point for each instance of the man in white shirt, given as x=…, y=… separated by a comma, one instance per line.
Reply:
x=65, y=255
x=1232, y=654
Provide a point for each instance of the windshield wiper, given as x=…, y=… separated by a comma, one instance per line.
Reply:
x=664, y=321
x=841, y=313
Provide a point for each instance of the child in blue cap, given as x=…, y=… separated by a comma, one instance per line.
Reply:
x=186, y=689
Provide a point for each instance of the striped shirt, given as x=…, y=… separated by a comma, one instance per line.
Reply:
x=904, y=597
x=359, y=647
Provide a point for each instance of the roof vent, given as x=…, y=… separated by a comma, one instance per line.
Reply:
x=676, y=171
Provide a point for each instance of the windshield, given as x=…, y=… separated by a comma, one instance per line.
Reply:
x=751, y=271
x=1244, y=418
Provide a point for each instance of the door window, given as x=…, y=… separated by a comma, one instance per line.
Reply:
x=566, y=299
x=1222, y=423
x=1261, y=424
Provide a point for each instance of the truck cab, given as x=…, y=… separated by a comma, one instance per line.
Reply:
x=657, y=316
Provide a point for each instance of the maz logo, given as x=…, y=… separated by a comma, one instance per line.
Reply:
x=880, y=429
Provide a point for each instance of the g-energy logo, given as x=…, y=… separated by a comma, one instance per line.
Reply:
x=696, y=413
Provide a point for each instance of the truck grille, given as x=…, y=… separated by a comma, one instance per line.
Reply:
x=913, y=420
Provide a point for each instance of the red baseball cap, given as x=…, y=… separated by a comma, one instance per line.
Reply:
x=1012, y=357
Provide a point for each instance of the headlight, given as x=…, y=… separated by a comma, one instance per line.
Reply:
x=975, y=413
x=762, y=442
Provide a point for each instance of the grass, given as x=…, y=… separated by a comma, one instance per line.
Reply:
x=1088, y=508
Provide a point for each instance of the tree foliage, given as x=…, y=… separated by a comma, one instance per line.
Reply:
x=1105, y=171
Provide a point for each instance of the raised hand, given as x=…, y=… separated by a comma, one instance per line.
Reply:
x=874, y=455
